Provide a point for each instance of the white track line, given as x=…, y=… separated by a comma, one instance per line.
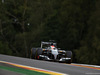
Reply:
x=87, y=65
x=93, y=73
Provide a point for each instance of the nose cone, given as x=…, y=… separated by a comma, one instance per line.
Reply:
x=55, y=53
x=55, y=56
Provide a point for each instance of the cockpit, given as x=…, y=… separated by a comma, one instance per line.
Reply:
x=53, y=48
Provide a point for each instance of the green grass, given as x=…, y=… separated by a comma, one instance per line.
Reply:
x=22, y=71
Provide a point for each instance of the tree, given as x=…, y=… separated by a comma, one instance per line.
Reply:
x=90, y=45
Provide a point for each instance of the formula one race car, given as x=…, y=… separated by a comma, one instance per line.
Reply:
x=49, y=51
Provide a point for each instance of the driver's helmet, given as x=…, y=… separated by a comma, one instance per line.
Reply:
x=52, y=47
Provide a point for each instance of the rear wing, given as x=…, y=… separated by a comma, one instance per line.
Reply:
x=47, y=43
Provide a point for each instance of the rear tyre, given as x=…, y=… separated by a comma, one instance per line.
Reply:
x=69, y=55
x=39, y=52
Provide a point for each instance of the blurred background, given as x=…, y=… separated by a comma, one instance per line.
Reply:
x=73, y=24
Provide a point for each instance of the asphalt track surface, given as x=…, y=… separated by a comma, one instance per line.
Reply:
x=68, y=69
